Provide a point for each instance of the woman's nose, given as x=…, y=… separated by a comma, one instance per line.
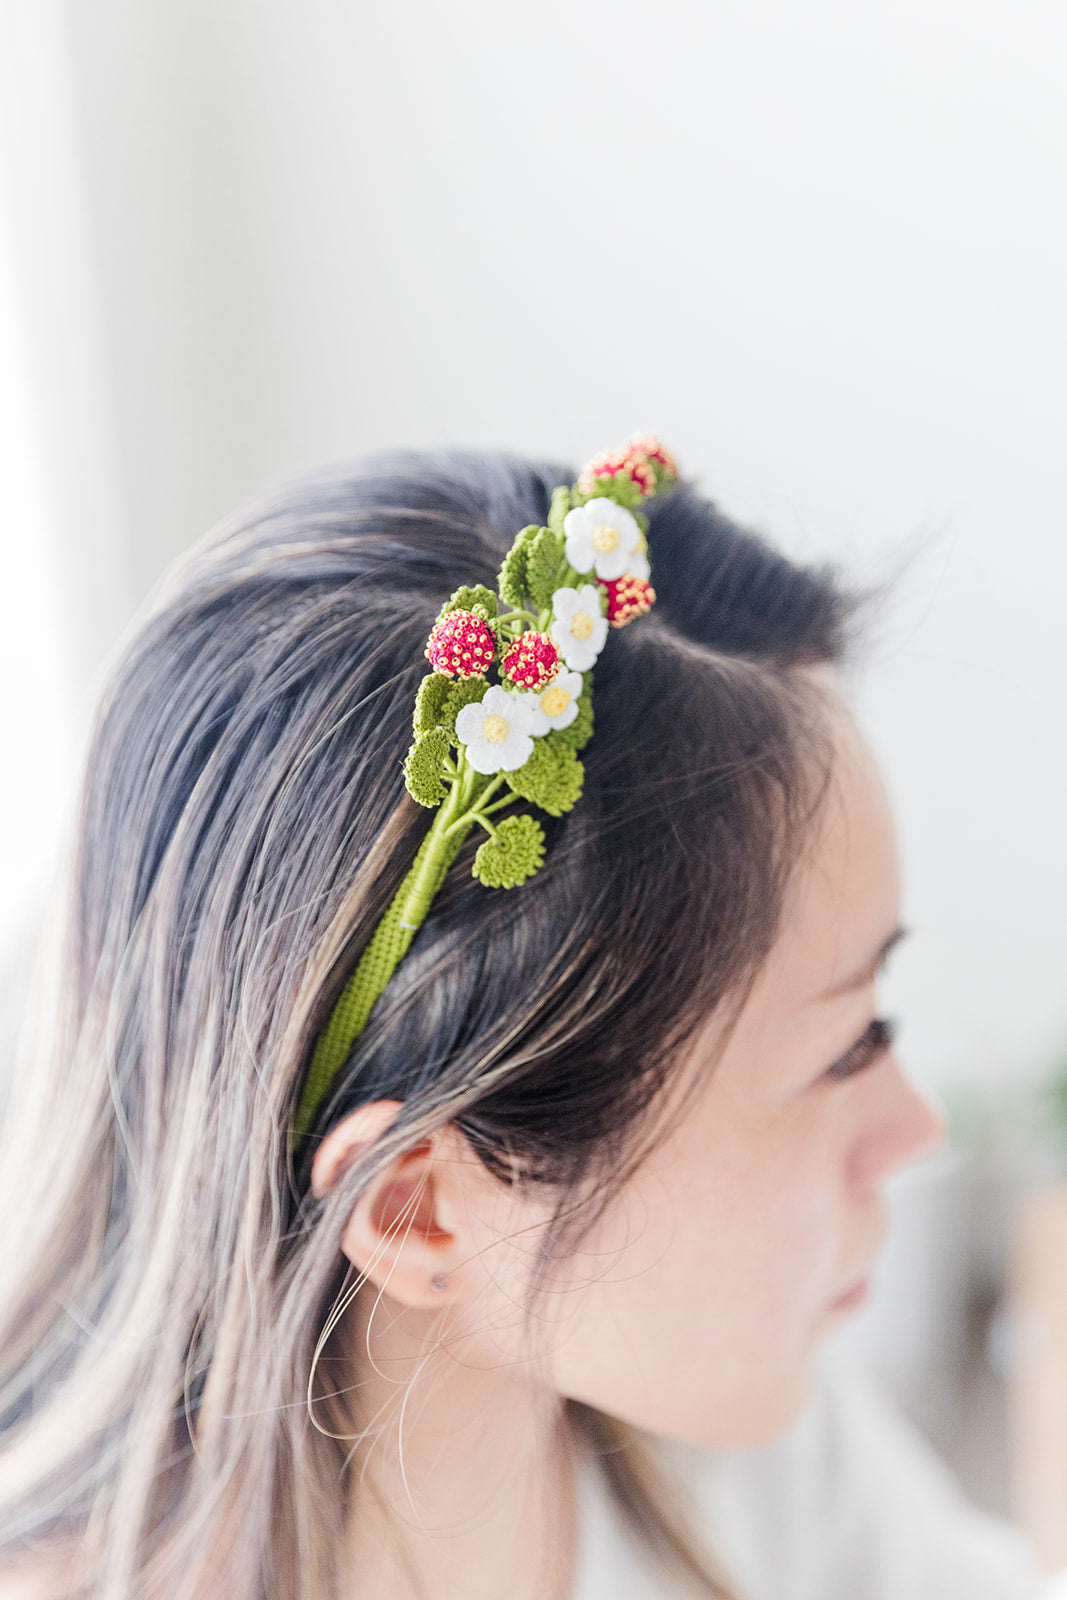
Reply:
x=905, y=1128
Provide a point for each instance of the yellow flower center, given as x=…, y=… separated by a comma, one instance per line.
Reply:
x=554, y=701
x=495, y=729
x=642, y=542
x=605, y=538
x=581, y=625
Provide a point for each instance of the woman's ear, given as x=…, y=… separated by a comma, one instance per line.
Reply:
x=411, y=1230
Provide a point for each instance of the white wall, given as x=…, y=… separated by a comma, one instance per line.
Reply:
x=65, y=593
x=820, y=248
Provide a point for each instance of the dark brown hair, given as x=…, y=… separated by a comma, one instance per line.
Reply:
x=168, y=1279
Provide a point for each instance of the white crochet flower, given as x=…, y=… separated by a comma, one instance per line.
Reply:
x=496, y=731
x=602, y=536
x=579, y=628
x=637, y=566
x=556, y=706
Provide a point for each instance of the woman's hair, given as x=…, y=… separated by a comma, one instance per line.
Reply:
x=167, y=1279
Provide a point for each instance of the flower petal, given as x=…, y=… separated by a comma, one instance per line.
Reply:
x=565, y=603
x=484, y=757
x=614, y=564
x=470, y=720
x=515, y=751
x=539, y=722
x=497, y=702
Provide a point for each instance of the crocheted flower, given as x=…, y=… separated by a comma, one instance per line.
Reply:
x=612, y=463
x=556, y=706
x=643, y=460
x=628, y=597
x=460, y=645
x=532, y=661
x=496, y=731
x=579, y=626
x=601, y=536
x=648, y=446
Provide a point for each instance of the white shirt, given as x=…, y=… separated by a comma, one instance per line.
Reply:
x=851, y=1504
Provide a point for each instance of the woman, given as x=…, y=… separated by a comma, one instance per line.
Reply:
x=602, y=1157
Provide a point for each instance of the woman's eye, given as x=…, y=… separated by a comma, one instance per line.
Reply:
x=875, y=1040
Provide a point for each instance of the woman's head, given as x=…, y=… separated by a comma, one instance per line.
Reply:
x=693, y=1303
x=618, y=1029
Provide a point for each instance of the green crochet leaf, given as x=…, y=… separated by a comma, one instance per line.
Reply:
x=429, y=702
x=561, y=504
x=581, y=729
x=641, y=520
x=476, y=598
x=621, y=488
x=422, y=769
x=552, y=778
x=514, y=855
x=462, y=692
x=545, y=564
x=512, y=579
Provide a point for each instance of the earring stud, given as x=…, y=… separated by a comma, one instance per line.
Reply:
x=438, y=1285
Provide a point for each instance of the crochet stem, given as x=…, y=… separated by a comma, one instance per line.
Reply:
x=405, y=915
x=509, y=616
x=497, y=805
x=487, y=793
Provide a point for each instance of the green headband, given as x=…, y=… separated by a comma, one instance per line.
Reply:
x=480, y=746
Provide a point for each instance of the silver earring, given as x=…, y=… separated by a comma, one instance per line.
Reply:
x=438, y=1285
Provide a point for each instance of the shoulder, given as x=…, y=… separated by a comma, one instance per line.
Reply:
x=853, y=1501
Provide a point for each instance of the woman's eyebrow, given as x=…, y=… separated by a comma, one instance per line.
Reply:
x=867, y=973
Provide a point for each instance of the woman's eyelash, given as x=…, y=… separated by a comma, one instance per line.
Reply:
x=875, y=1040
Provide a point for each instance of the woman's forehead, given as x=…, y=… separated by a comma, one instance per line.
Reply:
x=842, y=909
x=840, y=918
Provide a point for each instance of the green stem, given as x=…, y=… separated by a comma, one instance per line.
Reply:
x=509, y=616
x=498, y=805
x=403, y=918
x=464, y=791
x=490, y=789
x=425, y=876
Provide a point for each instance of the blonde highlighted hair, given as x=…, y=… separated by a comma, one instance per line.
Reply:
x=166, y=1279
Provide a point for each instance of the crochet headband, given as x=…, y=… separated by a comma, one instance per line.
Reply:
x=481, y=745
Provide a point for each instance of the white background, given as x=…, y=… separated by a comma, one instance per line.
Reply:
x=820, y=248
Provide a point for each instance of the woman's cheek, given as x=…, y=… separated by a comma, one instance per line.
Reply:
x=796, y=1226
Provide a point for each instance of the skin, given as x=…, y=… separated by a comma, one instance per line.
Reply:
x=695, y=1305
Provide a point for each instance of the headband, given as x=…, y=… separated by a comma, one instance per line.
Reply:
x=481, y=745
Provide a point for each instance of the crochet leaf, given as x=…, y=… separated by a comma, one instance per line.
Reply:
x=545, y=560
x=552, y=778
x=514, y=855
x=422, y=769
x=512, y=579
x=471, y=597
x=619, y=487
x=561, y=504
x=463, y=692
x=581, y=729
x=433, y=691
